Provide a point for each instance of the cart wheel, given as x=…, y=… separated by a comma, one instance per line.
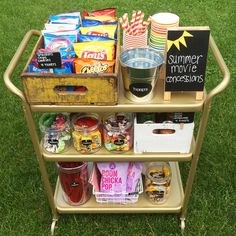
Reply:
x=182, y=224
x=53, y=226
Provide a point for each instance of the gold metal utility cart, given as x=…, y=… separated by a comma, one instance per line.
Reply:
x=180, y=102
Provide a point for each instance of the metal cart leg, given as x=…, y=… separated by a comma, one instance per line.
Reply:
x=42, y=166
x=203, y=123
x=182, y=224
x=192, y=170
x=54, y=225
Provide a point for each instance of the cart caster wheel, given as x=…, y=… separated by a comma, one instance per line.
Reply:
x=182, y=225
x=53, y=226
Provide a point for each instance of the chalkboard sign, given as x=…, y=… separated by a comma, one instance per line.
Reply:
x=48, y=60
x=183, y=117
x=186, y=58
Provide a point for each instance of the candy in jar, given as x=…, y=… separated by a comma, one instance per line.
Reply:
x=157, y=181
x=55, y=128
x=118, y=132
x=87, y=137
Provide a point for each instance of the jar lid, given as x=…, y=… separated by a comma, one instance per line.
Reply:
x=159, y=172
x=118, y=121
x=56, y=122
x=87, y=121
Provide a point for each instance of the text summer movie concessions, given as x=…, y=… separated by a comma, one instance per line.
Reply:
x=184, y=64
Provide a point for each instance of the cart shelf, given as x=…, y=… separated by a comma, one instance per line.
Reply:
x=180, y=102
x=103, y=155
x=172, y=205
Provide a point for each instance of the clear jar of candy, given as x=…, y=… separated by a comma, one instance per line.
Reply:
x=158, y=181
x=118, y=132
x=87, y=135
x=56, y=132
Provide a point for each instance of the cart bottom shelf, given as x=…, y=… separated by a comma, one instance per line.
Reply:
x=172, y=205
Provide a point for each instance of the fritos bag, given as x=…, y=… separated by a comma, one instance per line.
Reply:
x=93, y=66
x=100, y=50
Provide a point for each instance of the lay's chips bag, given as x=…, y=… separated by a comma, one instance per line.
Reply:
x=108, y=31
x=99, y=50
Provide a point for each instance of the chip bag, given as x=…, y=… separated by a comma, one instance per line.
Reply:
x=102, y=12
x=100, y=30
x=90, y=22
x=93, y=66
x=89, y=38
x=100, y=50
x=66, y=67
x=103, y=19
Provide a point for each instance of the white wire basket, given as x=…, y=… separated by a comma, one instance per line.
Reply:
x=120, y=197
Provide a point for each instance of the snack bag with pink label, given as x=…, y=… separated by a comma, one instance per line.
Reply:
x=113, y=176
x=133, y=176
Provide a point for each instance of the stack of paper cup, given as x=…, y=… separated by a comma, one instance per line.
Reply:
x=159, y=24
x=135, y=41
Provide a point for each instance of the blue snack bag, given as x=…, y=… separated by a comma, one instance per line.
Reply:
x=34, y=69
x=62, y=42
x=67, y=67
x=89, y=38
x=89, y=22
x=65, y=19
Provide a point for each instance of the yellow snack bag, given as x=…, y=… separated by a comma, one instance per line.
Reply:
x=100, y=30
x=99, y=50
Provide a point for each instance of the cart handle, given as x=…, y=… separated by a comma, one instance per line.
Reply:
x=14, y=62
x=224, y=70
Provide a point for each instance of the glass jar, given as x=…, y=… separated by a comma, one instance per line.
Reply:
x=118, y=132
x=74, y=182
x=87, y=135
x=157, y=181
x=56, y=132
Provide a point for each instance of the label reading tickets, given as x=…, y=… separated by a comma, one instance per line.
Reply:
x=99, y=50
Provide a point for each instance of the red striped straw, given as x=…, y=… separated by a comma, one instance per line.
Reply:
x=138, y=16
x=125, y=20
x=134, y=13
x=142, y=17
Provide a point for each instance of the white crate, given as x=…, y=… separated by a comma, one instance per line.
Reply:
x=147, y=140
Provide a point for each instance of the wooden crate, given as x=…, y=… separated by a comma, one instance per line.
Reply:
x=101, y=89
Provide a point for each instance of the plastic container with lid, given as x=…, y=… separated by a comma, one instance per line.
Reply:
x=87, y=136
x=56, y=132
x=158, y=181
x=74, y=182
x=118, y=132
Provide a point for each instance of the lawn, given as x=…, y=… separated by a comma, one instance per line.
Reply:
x=24, y=209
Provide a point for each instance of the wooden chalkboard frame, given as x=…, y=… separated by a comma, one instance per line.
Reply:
x=174, y=47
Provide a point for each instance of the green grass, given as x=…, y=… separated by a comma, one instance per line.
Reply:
x=24, y=209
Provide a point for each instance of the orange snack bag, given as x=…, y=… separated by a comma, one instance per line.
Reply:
x=93, y=66
x=99, y=50
x=100, y=30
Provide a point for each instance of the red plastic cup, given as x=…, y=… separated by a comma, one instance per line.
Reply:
x=74, y=181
